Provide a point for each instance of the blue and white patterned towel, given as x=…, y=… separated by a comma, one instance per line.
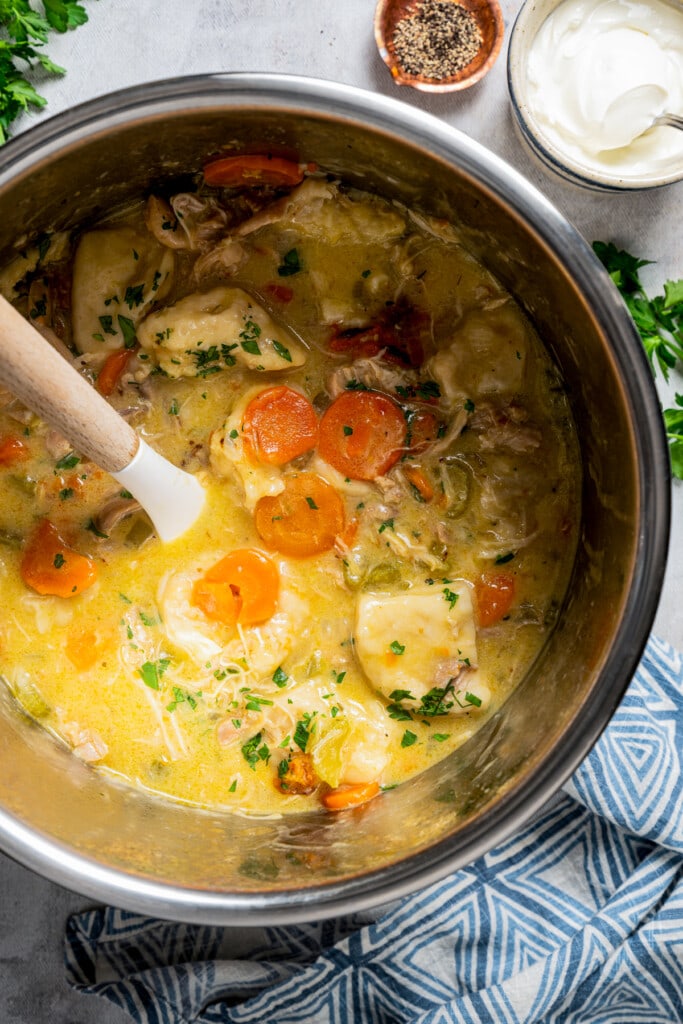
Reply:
x=579, y=918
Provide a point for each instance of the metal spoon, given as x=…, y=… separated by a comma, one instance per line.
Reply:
x=671, y=120
x=44, y=381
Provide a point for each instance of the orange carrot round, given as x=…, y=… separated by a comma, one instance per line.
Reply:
x=420, y=481
x=12, y=450
x=302, y=520
x=347, y=796
x=112, y=370
x=362, y=434
x=243, y=587
x=245, y=170
x=50, y=567
x=495, y=593
x=423, y=430
x=279, y=424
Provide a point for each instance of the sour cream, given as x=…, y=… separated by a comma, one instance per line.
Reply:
x=599, y=72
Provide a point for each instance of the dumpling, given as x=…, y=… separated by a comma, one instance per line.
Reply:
x=420, y=640
x=118, y=273
x=209, y=331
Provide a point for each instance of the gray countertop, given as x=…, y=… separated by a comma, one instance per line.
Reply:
x=127, y=42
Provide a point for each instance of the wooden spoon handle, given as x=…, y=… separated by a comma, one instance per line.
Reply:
x=45, y=382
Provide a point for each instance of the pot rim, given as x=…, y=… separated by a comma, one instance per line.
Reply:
x=414, y=127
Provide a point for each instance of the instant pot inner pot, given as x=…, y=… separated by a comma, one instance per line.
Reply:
x=109, y=841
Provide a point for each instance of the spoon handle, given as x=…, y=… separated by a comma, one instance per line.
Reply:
x=33, y=371
x=671, y=120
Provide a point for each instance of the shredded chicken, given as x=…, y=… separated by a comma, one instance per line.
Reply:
x=373, y=373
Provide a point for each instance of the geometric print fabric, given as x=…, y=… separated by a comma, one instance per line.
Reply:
x=578, y=919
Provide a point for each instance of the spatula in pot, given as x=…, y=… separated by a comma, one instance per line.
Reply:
x=44, y=381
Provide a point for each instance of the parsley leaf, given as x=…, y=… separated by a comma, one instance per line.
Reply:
x=659, y=322
x=27, y=31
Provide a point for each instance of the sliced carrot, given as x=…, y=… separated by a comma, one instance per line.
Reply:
x=423, y=430
x=246, y=170
x=362, y=434
x=85, y=648
x=420, y=481
x=12, y=450
x=113, y=369
x=349, y=533
x=49, y=566
x=302, y=520
x=243, y=587
x=279, y=424
x=495, y=593
x=344, y=797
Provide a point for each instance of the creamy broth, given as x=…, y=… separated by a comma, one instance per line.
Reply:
x=392, y=482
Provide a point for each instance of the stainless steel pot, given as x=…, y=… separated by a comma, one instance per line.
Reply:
x=110, y=842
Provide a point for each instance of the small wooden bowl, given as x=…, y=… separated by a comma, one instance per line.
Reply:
x=488, y=17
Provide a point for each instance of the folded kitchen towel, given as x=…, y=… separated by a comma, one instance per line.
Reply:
x=577, y=918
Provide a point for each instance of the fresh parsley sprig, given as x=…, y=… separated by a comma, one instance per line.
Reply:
x=23, y=31
x=659, y=321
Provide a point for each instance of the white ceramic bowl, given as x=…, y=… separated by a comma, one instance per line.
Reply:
x=531, y=16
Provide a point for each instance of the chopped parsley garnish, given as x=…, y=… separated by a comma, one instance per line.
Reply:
x=127, y=328
x=440, y=737
x=181, y=697
x=356, y=385
x=283, y=352
x=436, y=701
x=304, y=728
x=347, y=431
x=469, y=405
x=233, y=787
x=311, y=504
x=66, y=492
x=399, y=713
x=134, y=295
x=107, y=324
x=256, y=703
x=173, y=408
x=401, y=695
x=388, y=524
x=338, y=676
x=291, y=264
x=67, y=461
x=254, y=751
x=152, y=671
x=94, y=528
x=396, y=648
x=283, y=768
x=59, y=560
x=502, y=559
x=408, y=738
x=428, y=389
x=147, y=620
x=251, y=346
x=366, y=273
x=451, y=597
x=280, y=677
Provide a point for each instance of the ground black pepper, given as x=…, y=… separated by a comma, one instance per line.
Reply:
x=438, y=40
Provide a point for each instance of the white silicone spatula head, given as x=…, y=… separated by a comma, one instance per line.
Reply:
x=45, y=382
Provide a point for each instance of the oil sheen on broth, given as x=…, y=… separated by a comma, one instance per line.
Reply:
x=392, y=494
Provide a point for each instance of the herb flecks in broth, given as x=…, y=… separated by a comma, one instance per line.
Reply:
x=392, y=494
